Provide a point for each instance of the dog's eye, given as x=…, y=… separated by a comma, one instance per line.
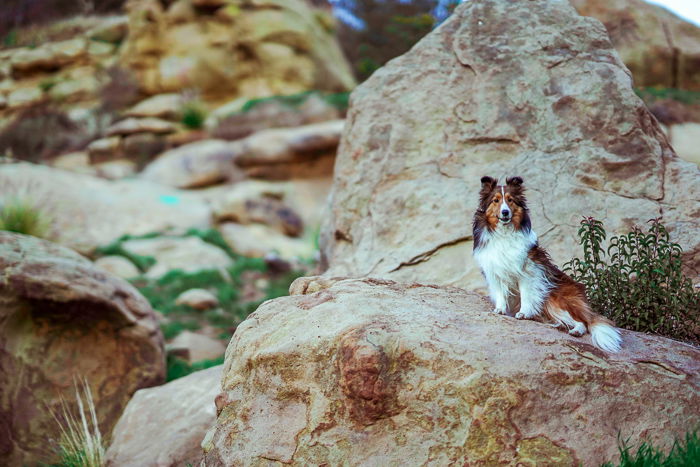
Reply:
x=495, y=201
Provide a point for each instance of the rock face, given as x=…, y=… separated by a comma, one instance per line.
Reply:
x=185, y=406
x=500, y=89
x=658, y=47
x=89, y=212
x=371, y=372
x=238, y=48
x=54, y=304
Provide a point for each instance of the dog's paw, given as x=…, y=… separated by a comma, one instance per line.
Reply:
x=578, y=330
x=521, y=315
x=499, y=311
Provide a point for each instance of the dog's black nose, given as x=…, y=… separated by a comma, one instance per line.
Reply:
x=505, y=213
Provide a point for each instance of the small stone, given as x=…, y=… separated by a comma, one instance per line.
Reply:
x=199, y=299
x=105, y=149
x=118, y=266
x=131, y=126
x=198, y=347
x=165, y=106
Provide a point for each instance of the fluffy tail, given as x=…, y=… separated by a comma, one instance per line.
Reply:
x=604, y=335
x=568, y=306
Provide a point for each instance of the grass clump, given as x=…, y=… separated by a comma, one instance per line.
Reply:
x=23, y=216
x=178, y=367
x=682, y=454
x=81, y=443
x=193, y=115
x=638, y=281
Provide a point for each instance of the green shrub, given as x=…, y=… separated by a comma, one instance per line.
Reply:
x=640, y=285
x=683, y=454
x=23, y=216
x=193, y=115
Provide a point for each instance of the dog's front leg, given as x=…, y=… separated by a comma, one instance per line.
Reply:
x=533, y=288
x=498, y=291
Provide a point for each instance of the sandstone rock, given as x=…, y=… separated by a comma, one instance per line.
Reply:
x=61, y=318
x=92, y=212
x=658, y=47
x=258, y=240
x=72, y=90
x=555, y=106
x=117, y=266
x=229, y=53
x=185, y=406
x=195, y=165
x=74, y=162
x=199, y=299
x=113, y=29
x=115, y=170
x=197, y=347
x=372, y=372
x=24, y=96
x=188, y=254
x=166, y=106
x=132, y=126
x=685, y=139
x=281, y=145
x=141, y=147
x=255, y=202
x=47, y=57
x=105, y=149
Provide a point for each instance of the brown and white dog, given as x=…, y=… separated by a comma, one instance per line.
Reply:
x=506, y=249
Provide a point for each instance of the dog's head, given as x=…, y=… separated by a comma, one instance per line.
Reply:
x=503, y=204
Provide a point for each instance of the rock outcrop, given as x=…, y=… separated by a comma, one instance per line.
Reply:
x=185, y=406
x=500, y=88
x=658, y=47
x=61, y=318
x=372, y=372
x=234, y=48
x=89, y=212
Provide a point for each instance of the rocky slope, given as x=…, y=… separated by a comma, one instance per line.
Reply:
x=372, y=372
x=530, y=89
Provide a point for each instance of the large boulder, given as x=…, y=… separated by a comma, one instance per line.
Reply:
x=501, y=88
x=164, y=426
x=88, y=212
x=658, y=47
x=372, y=372
x=234, y=48
x=62, y=320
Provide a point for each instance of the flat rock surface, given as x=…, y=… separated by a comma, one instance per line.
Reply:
x=88, y=212
x=372, y=372
x=55, y=304
x=500, y=88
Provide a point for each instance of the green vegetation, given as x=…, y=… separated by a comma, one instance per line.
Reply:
x=337, y=100
x=240, y=289
x=683, y=454
x=193, y=115
x=46, y=84
x=177, y=367
x=652, y=94
x=641, y=285
x=23, y=216
x=81, y=443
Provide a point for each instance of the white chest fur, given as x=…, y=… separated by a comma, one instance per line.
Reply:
x=502, y=254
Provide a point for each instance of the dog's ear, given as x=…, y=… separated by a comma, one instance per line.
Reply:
x=514, y=181
x=487, y=182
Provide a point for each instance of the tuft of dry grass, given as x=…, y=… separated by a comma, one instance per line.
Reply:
x=81, y=443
